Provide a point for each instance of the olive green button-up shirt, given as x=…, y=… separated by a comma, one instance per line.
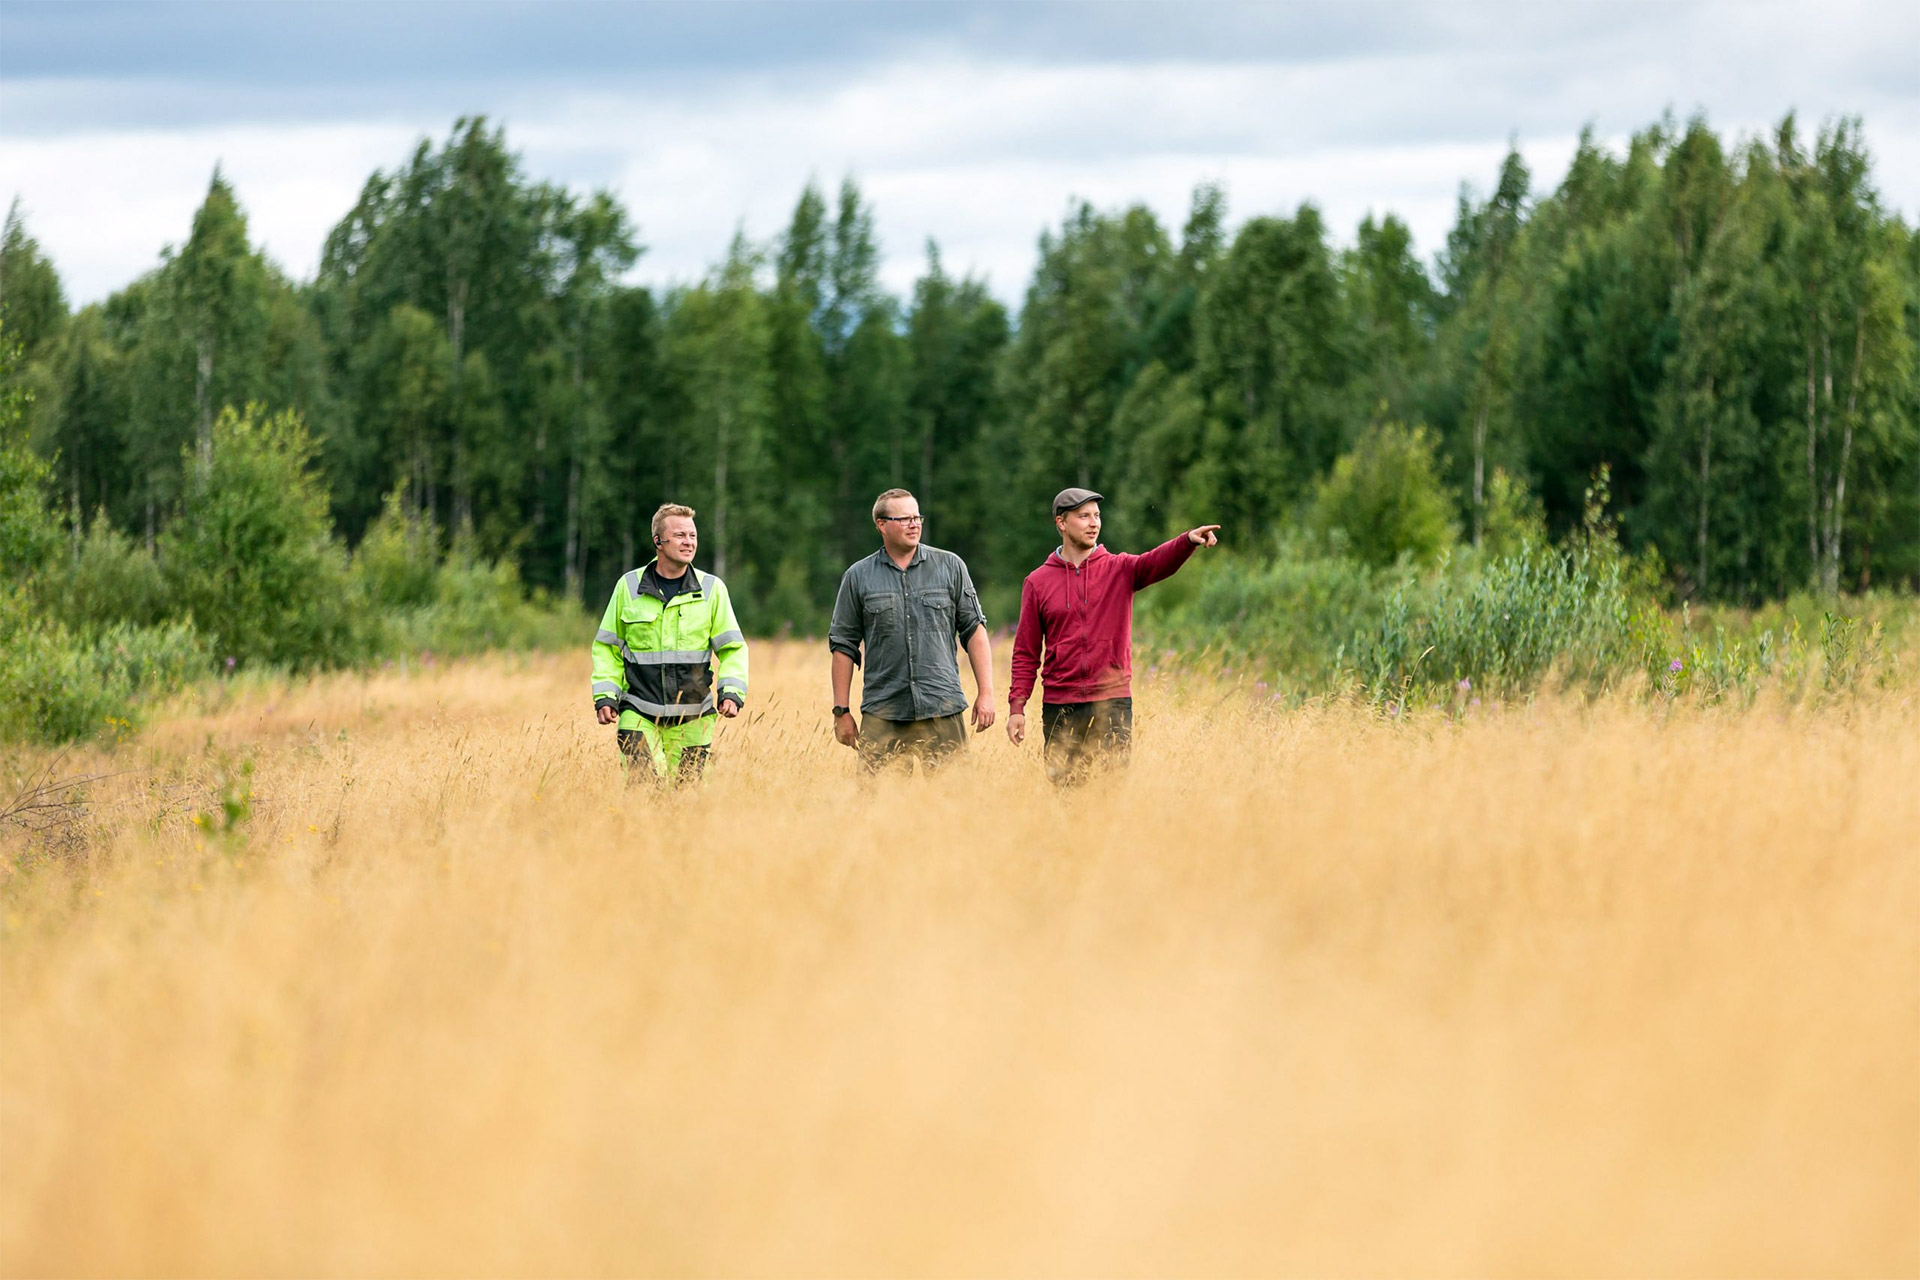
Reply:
x=905, y=625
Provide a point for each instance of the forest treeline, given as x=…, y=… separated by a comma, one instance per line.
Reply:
x=1727, y=328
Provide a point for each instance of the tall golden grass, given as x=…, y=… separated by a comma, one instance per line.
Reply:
x=1552, y=989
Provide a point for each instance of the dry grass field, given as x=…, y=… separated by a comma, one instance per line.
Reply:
x=1560, y=989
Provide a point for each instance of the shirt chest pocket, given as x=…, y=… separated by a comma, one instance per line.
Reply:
x=642, y=623
x=882, y=615
x=933, y=611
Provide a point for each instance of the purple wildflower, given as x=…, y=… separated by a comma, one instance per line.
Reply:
x=1674, y=666
x=1465, y=685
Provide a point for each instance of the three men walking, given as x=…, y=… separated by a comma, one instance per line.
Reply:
x=902, y=612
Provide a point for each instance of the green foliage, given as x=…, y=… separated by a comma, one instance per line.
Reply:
x=35, y=305
x=252, y=557
x=1317, y=625
x=1513, y=520
x=1504, y=627
x=1269, y=337
x=1294, y=618
x=111, y=579
x=1385, y=499
x=230, y=809
x=1725, y=329
x=420, y=601
x=28, y=534
x=1304, y=625
x=397, y=564
x=478, y=605
x=58, y=685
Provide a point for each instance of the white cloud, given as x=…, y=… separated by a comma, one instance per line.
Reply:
x=982, y=155
x=103, y=205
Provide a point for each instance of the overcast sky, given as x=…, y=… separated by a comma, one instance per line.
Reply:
x=970, y=123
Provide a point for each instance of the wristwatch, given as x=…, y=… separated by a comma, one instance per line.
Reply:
x=842, y=711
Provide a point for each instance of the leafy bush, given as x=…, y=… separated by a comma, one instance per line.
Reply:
x=397, y=563
x=474, y=605
x=57, y=685
x=249, y=570
x=1505, y=626
x=1513, y=519
x=1385, y=499
x=113, y=579
x=1314, y=624
x=1288, y=616
x=251, y=556
x=29, y=535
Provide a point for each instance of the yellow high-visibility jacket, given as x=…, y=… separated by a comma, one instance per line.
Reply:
x=655, y=657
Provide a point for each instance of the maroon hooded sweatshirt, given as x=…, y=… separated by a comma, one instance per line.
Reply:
x=1084, y=616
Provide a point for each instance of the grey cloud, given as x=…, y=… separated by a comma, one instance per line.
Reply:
x=344, y=41
x=703, y=117
x=175, y=63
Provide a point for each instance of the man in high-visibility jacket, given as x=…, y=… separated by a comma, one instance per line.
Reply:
x=651, y=673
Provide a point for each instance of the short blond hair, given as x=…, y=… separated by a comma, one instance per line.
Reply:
x=668, y=509
x=880, y=503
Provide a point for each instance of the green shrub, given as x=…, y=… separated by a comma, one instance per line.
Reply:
x=397, y=563
x=1385, y=499
x=251, y=556
x=57, y=685
x=477, y=605
x=1513, y=519
x=113, y=579
x=1289, y=616
x=29, y=534
x=1504, y=626
x=1312, y=624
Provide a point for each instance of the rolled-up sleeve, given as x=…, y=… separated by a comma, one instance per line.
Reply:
x=968, y=617
x=843, y=630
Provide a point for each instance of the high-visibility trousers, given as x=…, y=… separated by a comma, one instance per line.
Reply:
x=676, y=751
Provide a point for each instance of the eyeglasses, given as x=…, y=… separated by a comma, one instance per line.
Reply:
x=906, y=519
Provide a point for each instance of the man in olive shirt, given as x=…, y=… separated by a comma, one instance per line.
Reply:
x=905, y=606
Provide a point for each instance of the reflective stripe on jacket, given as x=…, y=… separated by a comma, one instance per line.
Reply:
x=658, y=657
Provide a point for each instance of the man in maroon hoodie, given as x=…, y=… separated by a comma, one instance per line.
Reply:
x=1078, y=606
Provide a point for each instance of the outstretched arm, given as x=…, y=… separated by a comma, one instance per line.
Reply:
x=1165, y=560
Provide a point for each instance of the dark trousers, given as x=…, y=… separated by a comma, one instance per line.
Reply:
x=895, y=742
x=1083, y=736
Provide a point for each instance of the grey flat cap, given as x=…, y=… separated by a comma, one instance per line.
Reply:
x=1067, y=499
